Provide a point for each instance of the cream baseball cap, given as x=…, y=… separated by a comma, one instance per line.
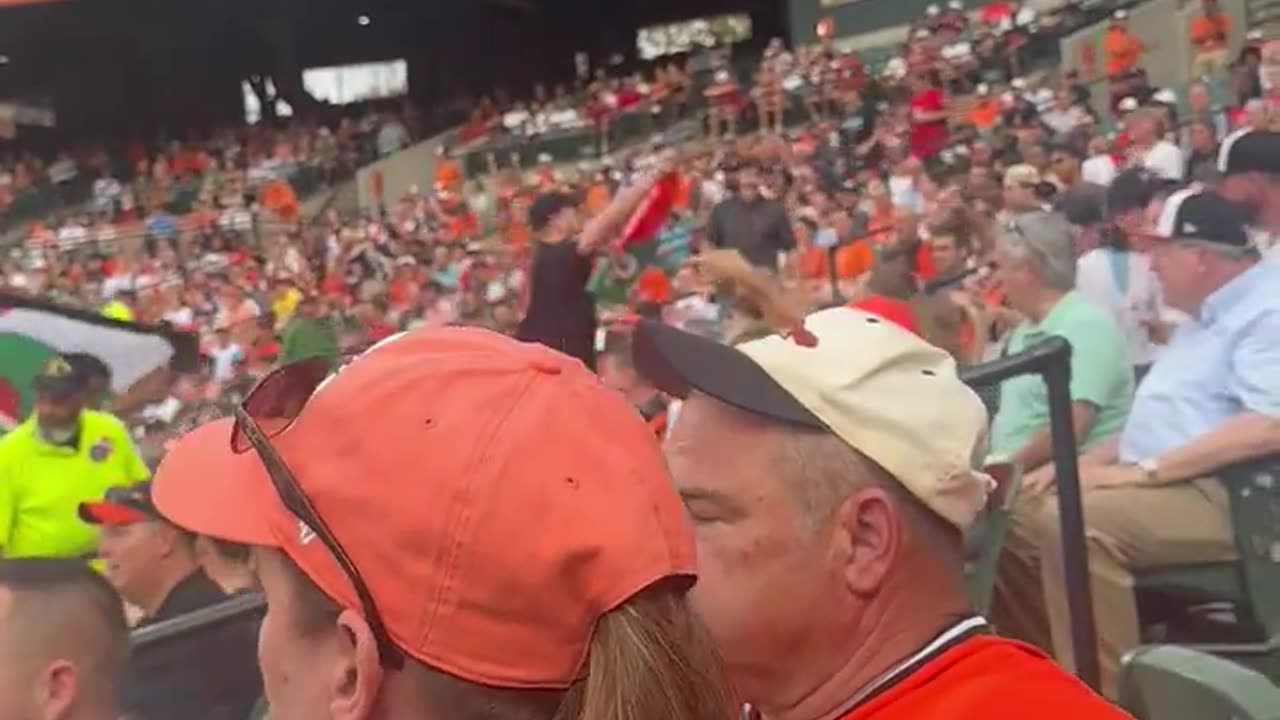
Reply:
x=877, y=386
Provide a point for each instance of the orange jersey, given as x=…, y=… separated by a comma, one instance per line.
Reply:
x=987, y=678
x=1123, y=51
x=1209, y=33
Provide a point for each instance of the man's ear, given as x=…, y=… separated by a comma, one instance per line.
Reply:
x=872, y=533
x=56, y=689
x=357, y=678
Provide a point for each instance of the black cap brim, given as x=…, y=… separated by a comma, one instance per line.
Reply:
x=63, y=388
x=679, y=362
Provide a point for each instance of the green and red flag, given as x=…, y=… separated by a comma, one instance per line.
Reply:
x=654, y=242
x=33, y=330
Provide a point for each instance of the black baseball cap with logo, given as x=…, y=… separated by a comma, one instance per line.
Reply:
x=1203, y=216
x=58, y=379
x=124, y=505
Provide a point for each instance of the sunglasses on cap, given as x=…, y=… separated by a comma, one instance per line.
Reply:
x=269, y=409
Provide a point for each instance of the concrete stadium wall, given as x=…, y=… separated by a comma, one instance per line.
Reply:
x=415, y=165
x=1162, y=26
x=860, y=17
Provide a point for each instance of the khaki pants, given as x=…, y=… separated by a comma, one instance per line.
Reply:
x=1125, y=528
x=1208, y=63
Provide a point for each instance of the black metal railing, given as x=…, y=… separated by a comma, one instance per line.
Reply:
x=1051, y=360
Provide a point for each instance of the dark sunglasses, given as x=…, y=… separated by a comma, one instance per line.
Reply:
x=268, y=410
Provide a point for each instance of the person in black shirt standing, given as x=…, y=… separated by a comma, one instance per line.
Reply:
x=562, y=313
x=752, y=224
x=209, y=675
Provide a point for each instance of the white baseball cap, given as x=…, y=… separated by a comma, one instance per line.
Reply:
x=869, y=381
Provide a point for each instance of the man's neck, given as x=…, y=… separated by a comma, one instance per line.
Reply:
x=1038, y=309
x=174, y=575
x=885, y=642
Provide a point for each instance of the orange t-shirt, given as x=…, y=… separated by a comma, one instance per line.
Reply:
x=1123, y=51
x=448, y=175
x=984, y=114
x=987, y=678
x=1209, y=33
x=851, y=261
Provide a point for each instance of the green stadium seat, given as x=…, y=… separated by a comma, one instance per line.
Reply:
x=1168, y=682
x=1249, y=587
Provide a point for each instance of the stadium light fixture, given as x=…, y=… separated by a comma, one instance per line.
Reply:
x=363, y=21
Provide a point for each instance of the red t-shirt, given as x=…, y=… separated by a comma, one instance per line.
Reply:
x=987, y=678
x=927, y=138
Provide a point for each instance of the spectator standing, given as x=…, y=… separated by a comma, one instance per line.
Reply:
x=561, y=312
x=61, y=456
x=63, y=642
x=1211, y=399
x=929, y=115
x=1210, y=31
x=153, y=565
x=1124, y=52
x=828, y=518
x=1036, y=260
x=754, y=225
x=455, y=602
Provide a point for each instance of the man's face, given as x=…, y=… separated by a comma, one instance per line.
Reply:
x=1201, y=137
x=1020, y=196
x=1015, y=277
x=749, y=183
x=768, y=588
x=1178, y=268
x=946, y=257
x=1064, y=166
x=59, y=415
x=131, y=553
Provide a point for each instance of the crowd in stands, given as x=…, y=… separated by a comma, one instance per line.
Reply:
x=111, y=187
x=953, y=205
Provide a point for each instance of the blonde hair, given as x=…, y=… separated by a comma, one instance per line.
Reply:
x=650, y=657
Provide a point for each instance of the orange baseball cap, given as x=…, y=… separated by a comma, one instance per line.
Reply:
x=496, y=498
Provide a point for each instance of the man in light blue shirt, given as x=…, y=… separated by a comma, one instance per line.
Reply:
x=1212, y=399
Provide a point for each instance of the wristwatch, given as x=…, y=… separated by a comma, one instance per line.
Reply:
x=1150, y=470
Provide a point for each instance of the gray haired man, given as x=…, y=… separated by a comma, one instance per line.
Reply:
x=1036, y=262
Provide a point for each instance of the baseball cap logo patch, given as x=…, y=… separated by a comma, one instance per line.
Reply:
x=305, y=533
x=57, y=367
x=801, y=336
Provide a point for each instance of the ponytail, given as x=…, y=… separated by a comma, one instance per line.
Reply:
x=650, y=658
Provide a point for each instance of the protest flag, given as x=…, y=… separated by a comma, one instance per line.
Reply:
x=32, y=330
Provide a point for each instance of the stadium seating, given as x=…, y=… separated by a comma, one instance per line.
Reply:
x=1228, y=609
x=1168, y=682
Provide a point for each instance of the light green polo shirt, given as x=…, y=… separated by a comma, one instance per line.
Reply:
x=42, y=485
x=1101, y=375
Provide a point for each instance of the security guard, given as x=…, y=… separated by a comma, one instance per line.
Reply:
x=61, y=456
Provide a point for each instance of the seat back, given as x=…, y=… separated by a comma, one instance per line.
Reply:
x=1254, y=487
x=986, y=537
x=1170, y=682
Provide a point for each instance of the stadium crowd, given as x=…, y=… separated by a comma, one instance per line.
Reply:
x=762, y=297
